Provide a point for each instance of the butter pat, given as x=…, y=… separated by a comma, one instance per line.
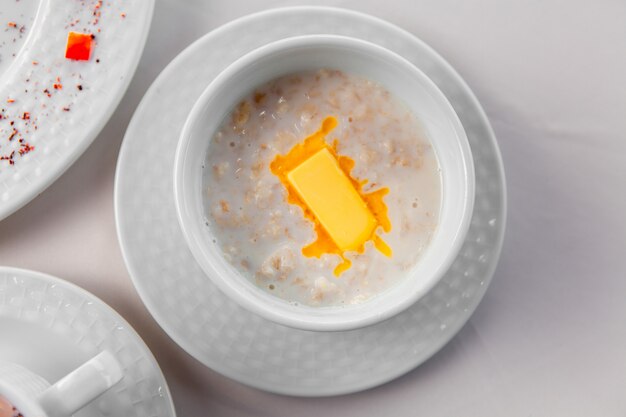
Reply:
x=333, y=200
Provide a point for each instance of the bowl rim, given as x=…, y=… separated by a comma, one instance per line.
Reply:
x=251, y=299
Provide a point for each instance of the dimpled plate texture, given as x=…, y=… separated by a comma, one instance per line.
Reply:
x=63, y=120
x=214, y=329
x=56, y=307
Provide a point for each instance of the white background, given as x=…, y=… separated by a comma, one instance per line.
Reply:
x=549, y=338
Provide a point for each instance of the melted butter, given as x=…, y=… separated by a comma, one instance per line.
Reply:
x=282, y=165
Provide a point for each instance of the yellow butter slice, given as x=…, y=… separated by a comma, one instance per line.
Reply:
x=319, y=181
x=323, y=186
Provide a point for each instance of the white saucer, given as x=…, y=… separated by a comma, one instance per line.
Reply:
x=51, y=327
x=214, y=329
x=67, y=102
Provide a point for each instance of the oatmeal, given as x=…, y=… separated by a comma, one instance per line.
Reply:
x=262, y=230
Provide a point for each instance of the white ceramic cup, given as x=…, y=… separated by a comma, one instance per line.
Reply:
x=350, y=55
x=33, y=396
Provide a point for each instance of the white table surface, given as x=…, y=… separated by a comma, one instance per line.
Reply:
x=549, y=338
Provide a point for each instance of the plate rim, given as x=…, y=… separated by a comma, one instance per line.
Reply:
x=109, y=311
x=37, y=187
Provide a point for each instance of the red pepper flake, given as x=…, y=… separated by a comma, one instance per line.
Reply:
x=47, y=92
x=35, y=63
x=10, y=100
x=12, y=24
x=72, y=24
x=25, y=148
x=97, y=13
x=66, y=109
x=8, y=158
x=25, y=116
x=12, y=135
x=123, y=15
x=58, y=86
x=78, y=46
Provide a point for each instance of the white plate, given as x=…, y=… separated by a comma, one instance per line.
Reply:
x=67, y=119
x=214, y=329
x=51, y=327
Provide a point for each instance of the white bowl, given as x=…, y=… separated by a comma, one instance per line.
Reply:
x=350, y=55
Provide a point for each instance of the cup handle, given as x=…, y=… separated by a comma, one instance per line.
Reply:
x=81, y=386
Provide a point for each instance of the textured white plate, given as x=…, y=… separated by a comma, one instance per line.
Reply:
x=214, y=329
x=63, y=120
x=51, y=327
x=16, y=22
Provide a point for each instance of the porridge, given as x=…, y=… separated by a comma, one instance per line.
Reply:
x=322, y=188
